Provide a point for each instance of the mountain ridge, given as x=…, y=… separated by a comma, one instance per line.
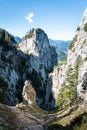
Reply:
x=61, y=48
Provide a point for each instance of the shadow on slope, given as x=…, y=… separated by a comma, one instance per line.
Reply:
x=80, y=123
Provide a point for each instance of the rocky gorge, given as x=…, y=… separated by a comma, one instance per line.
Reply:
x=31, y=80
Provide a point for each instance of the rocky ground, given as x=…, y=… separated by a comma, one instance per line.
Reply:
x=33, y=118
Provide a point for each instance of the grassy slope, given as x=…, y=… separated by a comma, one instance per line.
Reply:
x=73, y=118
x=17, y=118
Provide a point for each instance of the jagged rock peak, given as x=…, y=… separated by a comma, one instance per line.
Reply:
x=35, y=30
x=42, y=55
x=35, y=36
x=34, y=33
x=39, y=30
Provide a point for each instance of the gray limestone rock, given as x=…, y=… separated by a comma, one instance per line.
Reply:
x=32, y=59
x=29, y=94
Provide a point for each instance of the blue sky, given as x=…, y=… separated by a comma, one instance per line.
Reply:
x=58, y=18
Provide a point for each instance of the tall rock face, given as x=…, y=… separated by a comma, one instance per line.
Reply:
x=41, y=61
x=29, y=94
x=12, y=70
x=77, y=54
x=73, y=78
x=31, y=60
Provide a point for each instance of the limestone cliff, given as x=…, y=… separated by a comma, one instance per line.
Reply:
x=72, y=83
x=78, y=54
x=32, y=60
x=43, y=57
x=41, y=61
x=29, y=94
x=12, y=70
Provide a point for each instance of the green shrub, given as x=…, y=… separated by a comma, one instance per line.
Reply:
x=29, y=34
x=68, y=91
x=72, y=43
x=78, y=62
x=17, y=45
x=67, y=94
x=5, y=37
x=78, y=28
x=20, y=105
x=73, y=50
x=85, y=27
x=75, y=38
x=85, y=59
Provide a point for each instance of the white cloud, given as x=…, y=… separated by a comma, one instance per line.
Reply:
x=29, y=18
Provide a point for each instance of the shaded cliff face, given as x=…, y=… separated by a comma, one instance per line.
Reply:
x=33, y=60
x=12, y=70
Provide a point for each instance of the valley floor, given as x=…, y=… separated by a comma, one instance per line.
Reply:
x=33, y=118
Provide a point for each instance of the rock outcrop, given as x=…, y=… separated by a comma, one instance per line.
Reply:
x=32, y=59
x=12, y=69
x=43, y=57
x=41, y=61
x=29, y=94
